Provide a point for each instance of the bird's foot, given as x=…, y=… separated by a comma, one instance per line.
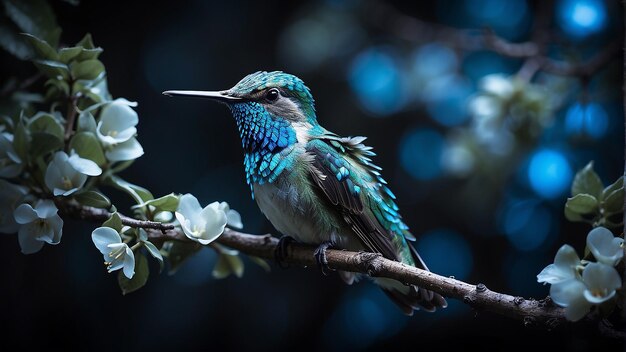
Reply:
x=280, y=253
x=320, y=256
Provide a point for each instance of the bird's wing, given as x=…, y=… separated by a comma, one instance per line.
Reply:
x=345, y=174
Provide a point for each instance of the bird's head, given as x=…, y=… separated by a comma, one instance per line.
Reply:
x=278, y=94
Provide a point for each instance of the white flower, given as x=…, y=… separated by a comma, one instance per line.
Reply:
x=498, y=85
x=605, y=247
x=116, y=130
x=201, y=225
x=65, y=175
x=232, y=216
x=38, y=225
x=564, y=267
x=598, y=285
x=10, y=196
x=10, y=164
x=117, y=255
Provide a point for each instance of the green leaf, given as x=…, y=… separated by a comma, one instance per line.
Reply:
x=89, y=69
x=89, y=54
x=86, y=42
x=165, y=203
x=142, y=271
x=154, y=251
x=614, y=202
x=68, y=54
x=228, y=264
x=572, y=216
x=43, y=122
x=179, y=252
x=114, y=222
x=44, y=143
x=52, y=69
x=582, y=203
x=21, y=141
x=94, y=199
x=59, y=84
x=261, y=262
x=587, y=181
x=86, y=122
x=43, y=50
x=619, y=183
x=15, y=44
x=139, y=194
x=87, y=146
x=35, y=17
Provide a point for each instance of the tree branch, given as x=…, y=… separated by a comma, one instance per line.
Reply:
x=386, y=17
x=532, y=312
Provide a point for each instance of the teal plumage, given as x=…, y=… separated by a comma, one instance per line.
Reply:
x=314, y=185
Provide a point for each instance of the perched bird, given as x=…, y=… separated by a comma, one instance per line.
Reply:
x=315, y=186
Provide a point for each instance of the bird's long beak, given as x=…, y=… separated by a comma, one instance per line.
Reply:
x=222, y=96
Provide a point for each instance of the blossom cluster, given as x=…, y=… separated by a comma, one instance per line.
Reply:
x=578, y=285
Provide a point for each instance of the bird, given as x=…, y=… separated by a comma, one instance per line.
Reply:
x=315, y=186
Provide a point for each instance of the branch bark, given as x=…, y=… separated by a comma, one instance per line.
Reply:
x=532, y=312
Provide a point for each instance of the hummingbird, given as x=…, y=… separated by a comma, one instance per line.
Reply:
x=315, y=186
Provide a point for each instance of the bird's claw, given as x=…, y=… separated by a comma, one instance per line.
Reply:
x=280, y=253
x=320, y=256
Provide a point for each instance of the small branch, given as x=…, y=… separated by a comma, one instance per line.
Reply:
x=530, y=311
x=386, y=17
x=71, y=117
x=74, y=209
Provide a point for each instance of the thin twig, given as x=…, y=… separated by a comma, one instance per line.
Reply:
x=95, y=214
x=531, y=312
x=386, y=17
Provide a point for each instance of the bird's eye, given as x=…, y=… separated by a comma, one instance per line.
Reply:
x=272, y=95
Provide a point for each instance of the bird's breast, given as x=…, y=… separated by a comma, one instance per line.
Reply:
x=292, y=206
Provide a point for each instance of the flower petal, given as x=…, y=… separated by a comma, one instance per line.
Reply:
x=234, y=219
x=45, y=208
x=129, y=263
x=601, y=278
x=128, y=150
x=103, y=236
x=188, y=206
x=84, y=166
x=566, y=258
x=578, y=308
x=25, y=214
x=215, y=221
x=57, y=226
x=118, y=116
x=605, y=247
x=565, y=292
x=27, y=239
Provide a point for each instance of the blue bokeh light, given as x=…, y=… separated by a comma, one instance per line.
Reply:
x=421, y=151
x=581, y=18
x=449, y=109
x=432, y=60
x=446, y=253
x=587, y=119
x=549, y=173
x=375, y=78
x=526, y=223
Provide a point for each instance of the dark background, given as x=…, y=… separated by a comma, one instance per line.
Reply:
x=62, y=297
